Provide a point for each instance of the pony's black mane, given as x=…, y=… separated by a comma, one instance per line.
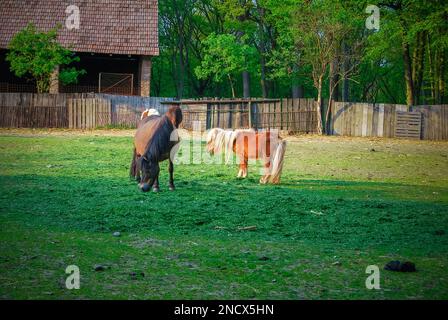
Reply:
x=157, y=147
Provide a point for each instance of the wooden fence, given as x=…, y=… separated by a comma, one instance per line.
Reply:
x=87, y=111
x=389, y=120
x=434, y=121
x=297, y=115
x=81, y=111
x=32, y=110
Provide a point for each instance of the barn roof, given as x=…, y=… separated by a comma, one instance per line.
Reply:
x=106, y=26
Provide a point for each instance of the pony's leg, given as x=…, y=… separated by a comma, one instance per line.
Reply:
x=155, y=187
x=242, y=173
x=134, y=170
x=245, y=170
x=246, y=161
x=264, y=179
x=171, y=171
x=138, y=170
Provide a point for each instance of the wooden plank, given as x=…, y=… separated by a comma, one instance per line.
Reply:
x=250, y=114
x=364, y=122
x=70, y=113
x=380, y=123
x=339, y=125
x=87, y=113
x=81, y=113
x=348, y=120
x=334, y=118
x=386, y=122
x=94, y=113
x=369, y=119
x=438, y=127
x=444, y=122
x=341, y=120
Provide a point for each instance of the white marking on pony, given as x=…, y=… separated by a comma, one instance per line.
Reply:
x=149, y=113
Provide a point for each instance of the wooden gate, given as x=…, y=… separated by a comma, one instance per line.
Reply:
x=408, y=125
x=116, y=83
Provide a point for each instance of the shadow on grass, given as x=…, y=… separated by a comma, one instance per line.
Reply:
x=222, y=208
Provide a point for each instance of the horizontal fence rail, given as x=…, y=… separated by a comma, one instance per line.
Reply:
x=93, y=110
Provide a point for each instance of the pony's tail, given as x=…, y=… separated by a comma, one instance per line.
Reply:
x=133, y=167
x=230, y=139
x=277, y=162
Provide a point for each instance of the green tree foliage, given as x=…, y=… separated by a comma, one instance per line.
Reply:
x=224, y=59
x=412, y=41
x=306, y=48
x=36, y=55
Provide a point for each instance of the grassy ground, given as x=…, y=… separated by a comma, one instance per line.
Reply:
x=344, y=204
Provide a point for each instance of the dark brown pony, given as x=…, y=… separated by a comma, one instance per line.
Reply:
x=153, y=141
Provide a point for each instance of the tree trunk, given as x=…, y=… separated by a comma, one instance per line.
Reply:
x=333, y=90
x=432, y=72
x=264, y=87
x=441, y=84
x=231, y=86
x=346, y=88
x=181, y=73
x=437, y=69
x=408, y=74
x=418, y=64
x=319, y=106
x=333, y=81
x=297, y=91
x=246, y=84
x=327, y=117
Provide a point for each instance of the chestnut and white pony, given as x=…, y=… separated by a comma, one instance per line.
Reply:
x=250, y=144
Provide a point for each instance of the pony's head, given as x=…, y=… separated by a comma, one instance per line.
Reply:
x=174, y=114
x=150, y=170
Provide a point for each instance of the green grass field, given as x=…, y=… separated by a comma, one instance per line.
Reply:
x=343, y=204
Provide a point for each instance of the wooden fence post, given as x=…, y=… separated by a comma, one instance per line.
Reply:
x=250, y=113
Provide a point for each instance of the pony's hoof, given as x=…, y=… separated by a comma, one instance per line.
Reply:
x=172, y=188
x=156, y=189
x=144, y=187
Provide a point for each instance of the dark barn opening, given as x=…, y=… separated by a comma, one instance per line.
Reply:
x=119, y=74
x=9, y=82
